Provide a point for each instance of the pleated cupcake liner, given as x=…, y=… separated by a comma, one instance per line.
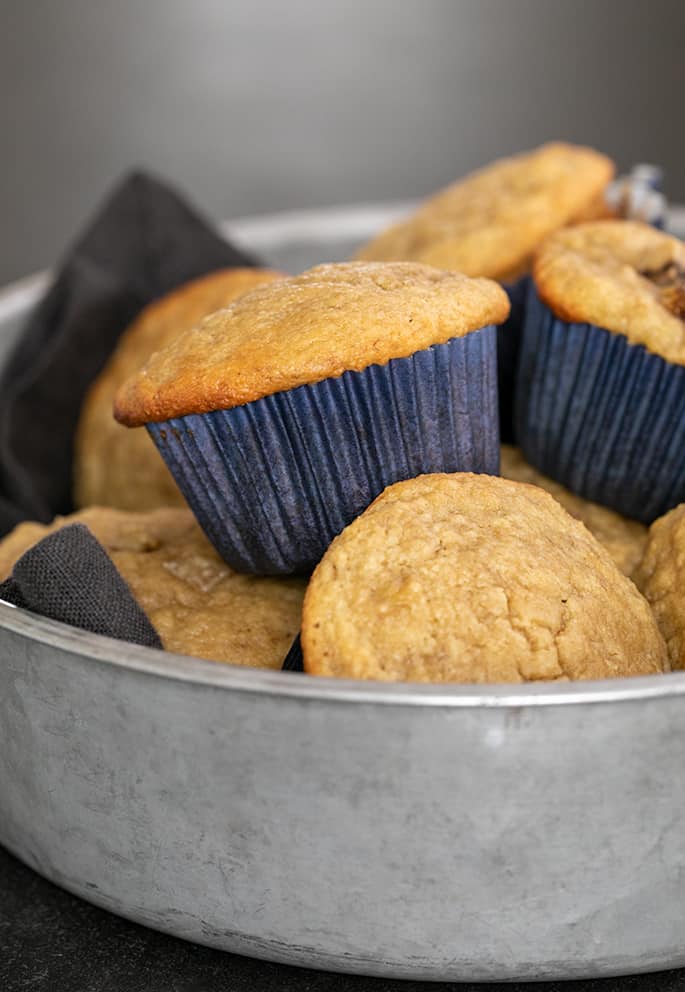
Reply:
x=272, y=482
x=602, y=416
x=294, y=660
x=639, y=195
x=508, y=345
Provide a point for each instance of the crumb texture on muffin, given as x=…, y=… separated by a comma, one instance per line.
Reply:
x=471, y=578
x=623, y=276
x=661, y=577
x=490, y=222
x=624, y=539
x=197, y=604
x=326, y=321
x=121, y=468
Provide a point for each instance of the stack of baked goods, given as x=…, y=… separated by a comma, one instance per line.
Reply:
x=336, y=436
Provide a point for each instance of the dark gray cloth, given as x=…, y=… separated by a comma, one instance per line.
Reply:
x=142, y=243
x=68, y=576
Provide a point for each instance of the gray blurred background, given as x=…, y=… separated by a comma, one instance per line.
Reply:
x=260, y=105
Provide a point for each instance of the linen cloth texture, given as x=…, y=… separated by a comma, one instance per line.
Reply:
x=68, y=576
x=143, y=242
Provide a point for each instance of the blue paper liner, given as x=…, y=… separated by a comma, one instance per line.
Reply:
x=294, y=660
x=508, y=345
x=602, y=416
x=639, y=195
x=272, y=482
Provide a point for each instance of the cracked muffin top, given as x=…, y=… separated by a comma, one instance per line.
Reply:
x=621, y=275
x=661, y=578
x=471, y=578
x=198, y=605
x=624, y=539
x=120, y=468
x=326, y=321
x=491, y=222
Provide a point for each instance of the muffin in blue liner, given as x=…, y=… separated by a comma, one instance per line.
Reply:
x=284, y=415
x=489, y=224
x=637, y=196
x=273, y=481
x=598, y=410
x=508, y=345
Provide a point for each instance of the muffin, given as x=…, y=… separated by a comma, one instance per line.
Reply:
x=195, y=602
x=490, y=223
x=120, y=468
x=601, y=403
x=468, y=578
x=624, y=539
x=661, y=578
x=283, y=416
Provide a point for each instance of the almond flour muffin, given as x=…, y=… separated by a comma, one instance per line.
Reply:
x=601, y=399
x=467, y=578
x=120, y=468
x=491, y=222
x=285, y=414
x=661, y=578
x=624, y=539
x=193, y=599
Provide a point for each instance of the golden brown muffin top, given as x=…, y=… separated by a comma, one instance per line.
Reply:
x=660, y=576
x=197, y=604
x=121, y=468
x=472, y=578
x=621, y=275
x=326, y=321
x=624, y=539
x=490, y=222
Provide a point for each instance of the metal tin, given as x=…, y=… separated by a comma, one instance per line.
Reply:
x=454, y=833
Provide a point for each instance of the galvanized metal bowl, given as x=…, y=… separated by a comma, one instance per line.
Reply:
x=507, y=832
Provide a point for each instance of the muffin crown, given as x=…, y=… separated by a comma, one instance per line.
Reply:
x=623, y=276
x=471, y=578
x=326, y=321
x=490, y=222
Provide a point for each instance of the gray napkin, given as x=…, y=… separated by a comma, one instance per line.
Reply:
x=68, y=576
x=142, y=243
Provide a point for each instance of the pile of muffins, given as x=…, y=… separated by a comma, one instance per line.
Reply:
x=331, y=457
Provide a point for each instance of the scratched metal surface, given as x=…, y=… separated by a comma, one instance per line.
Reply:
x=502, y=833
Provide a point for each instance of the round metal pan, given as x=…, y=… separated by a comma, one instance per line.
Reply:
x=459, y=833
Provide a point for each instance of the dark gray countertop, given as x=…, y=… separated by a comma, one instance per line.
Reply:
x=50, y=940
